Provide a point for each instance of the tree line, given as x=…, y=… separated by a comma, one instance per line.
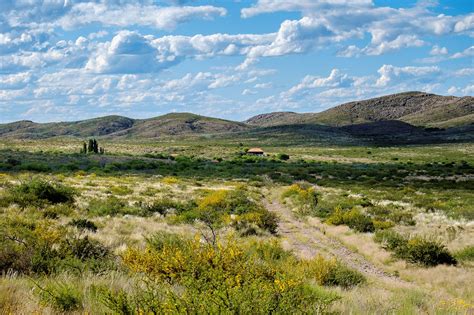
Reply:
x=92, y=146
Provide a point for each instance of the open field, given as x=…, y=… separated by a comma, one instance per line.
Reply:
x=198, y=226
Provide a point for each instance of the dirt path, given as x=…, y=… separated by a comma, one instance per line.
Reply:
x=308, y=240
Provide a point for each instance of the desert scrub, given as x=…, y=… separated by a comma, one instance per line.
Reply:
x=111, y=206
x=39, y=192
x=43, y=247
x=303, y=196
x=84, y=225
x=330, y=272
x=354, y=219
x=417, y=249
x=188, y=276
x=61, y=296
x=466, y=254
x=237, y=208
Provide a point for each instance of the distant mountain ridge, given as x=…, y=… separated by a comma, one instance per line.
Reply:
x=416, y=108
x=404, y=113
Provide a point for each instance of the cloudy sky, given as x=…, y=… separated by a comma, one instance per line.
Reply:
x=77, y=59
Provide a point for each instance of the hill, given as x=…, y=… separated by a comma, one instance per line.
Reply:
x=416, y=108
x=118, y=126
x=178, y=124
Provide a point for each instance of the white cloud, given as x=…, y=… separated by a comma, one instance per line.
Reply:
x=128, y=52
x=464, y=72
x=268, y=6
x=388, y=73
x=468, y=52
x=15, y=81
x=335, y=79
x=437, y=50
x=166, y=18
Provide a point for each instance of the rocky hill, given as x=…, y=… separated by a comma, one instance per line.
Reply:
x=416, y=108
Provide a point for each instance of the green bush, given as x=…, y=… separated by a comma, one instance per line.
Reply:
x=304, y=197
x=235, y=207
x=417, y=249
x=353, y=218
x=465, y=254
x=283, y=156
x=330, y=272
x=167, y=205
x=231, y=277
x=63, y=297
x=83, y=225
x=111, y=206
x=40, y=192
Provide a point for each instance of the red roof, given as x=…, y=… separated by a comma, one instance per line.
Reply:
x=255, y=150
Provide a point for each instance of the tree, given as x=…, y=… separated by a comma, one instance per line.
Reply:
x=84, y=147
x=90, y=147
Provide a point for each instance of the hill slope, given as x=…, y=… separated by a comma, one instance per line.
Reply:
x=118, y=126
x=416, y=108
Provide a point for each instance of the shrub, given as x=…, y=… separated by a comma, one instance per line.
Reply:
x=353, y=218
x=83, y=225
x=330, y=272
x=193, y=277
x=40, y=192
x=162, y=239
x=62, y=296
x=466, y=254
x=166, y=205
x=235, y=207
x=419, y=250
x=428, y=252
x=304, y=197
x=110, y=206
x=283, y=156
x=86, y=248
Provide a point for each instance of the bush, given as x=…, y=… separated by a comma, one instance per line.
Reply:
x=234, y=207
x=85, y=248
x=330, y=272
x=466, y=254
x=192, y=277
x=110, y=206
x=40, y=192
x=166, y=205
x=283, y=156
x=63, y=297
x=83, y=225
x=418, y=249
x=353, y=218
x=304, y=197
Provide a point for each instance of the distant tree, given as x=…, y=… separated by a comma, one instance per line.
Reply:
x=84, y=147
x=95, y=146
x=90, y=147
x=101, y=150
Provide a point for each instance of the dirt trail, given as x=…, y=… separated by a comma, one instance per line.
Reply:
x=308, y=240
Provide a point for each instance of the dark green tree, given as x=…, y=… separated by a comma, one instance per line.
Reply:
x=95, y=146
x=90, y=147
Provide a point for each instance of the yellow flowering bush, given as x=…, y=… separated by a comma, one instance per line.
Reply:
x=230, y=277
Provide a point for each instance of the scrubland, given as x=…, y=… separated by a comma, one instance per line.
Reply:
x=199, y=227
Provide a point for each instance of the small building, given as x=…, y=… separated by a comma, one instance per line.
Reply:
x=255, y=151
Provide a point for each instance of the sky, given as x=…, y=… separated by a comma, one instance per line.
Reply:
x=64, y=60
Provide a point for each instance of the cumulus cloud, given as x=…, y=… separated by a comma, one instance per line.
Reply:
x=335, y=79
x=388, y=73
x=468, y=52
x=128, y=52
x=166, y=18
x=72, y=13
x=437, y=50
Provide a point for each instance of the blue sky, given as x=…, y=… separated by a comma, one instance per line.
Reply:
x=78, y=59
